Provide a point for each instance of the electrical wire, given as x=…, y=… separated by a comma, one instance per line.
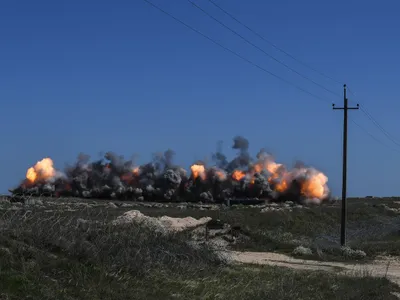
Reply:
x=379, y=126
x=262, y=50
x=278, y=77
x=376, y=123
x=372, y=136
x=272, y=44
x=234, y=53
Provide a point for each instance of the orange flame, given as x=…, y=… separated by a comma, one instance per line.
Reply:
x=130, y=176
x=315, y=186
x=135, y=171
x=313, y=182
x=220, y=174
x=198, y=171
x=272, y=167
x=275, y=170
x=42, y=170
x=257, y=168
x=281, y=186
x=238, y=175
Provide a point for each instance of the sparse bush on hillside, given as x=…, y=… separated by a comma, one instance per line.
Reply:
x=131, y=247
x=302, y=251
x=65, y=256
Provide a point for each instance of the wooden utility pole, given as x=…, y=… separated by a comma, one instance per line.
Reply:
x=345, y=108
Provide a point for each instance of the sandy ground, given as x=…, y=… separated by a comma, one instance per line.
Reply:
x=383, y=267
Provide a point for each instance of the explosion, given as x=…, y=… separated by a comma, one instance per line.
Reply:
x=238, y=175
x=160, y=179
x=313, y=187
x=198, y=171
x=42, y=171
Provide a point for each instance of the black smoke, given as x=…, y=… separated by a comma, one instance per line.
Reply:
x=113, y=177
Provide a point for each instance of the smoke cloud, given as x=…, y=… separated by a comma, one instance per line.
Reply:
x=162, y=180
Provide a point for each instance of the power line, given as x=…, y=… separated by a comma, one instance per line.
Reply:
x=385, y=132
x=372, y=136
x=351, y=92
x=376, y=123
x=233, y=52
x=262, y=50
x=272, y=44
x=282, y=79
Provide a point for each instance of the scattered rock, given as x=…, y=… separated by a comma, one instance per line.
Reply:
x=387, y=208
x=348, y=252
x=269, y=209
x=287, y=236
x=395, y=210
x=52, y=256
x=14, y=207
x=32, y=201
x=180, y=224
x=86, y=194
x=302, y=251
x=219, y=243
x=163, y=224
x=111, y=205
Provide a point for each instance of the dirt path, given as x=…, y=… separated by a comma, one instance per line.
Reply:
x=384, y=267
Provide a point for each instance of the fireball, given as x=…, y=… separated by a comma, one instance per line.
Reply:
x=136, y=171
x=257, y=168
x=198, y=171
x=282, y=185
x=238, y=175
x=315, y=186
x=42, y=171
x=272, y=167
x=221, y=179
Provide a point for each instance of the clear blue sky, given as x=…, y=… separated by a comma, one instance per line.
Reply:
x=95, y=76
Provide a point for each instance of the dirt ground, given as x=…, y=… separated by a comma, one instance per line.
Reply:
x=383, y=267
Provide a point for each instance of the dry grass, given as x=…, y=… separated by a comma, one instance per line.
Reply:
x=57, y=256
x=370, y=227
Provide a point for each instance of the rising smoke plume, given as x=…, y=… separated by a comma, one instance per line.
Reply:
x=162, y=180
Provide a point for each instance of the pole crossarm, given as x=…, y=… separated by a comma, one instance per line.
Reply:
x=345, y=108
x=357, y=107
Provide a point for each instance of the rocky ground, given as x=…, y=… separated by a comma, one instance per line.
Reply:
x=290, y=228
x=78, y=203
x=79, y=249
